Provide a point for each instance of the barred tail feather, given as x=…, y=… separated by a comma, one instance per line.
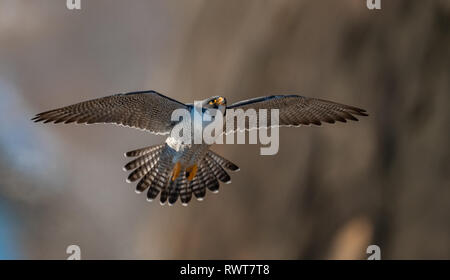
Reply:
x=186, y=193
x=211, y=182
x=175, y=188
x=199, y=181
x=157, y=185
x=162, y=180
x=218, y=170
x=163, y=196
x=143, y=151
x=143, y=170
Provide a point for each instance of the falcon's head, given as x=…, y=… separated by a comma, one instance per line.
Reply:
x=215, y=102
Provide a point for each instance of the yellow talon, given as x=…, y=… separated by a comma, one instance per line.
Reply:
x=192, y=172
x=176, y=171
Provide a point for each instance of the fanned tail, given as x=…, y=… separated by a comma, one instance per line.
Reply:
x=154, y=170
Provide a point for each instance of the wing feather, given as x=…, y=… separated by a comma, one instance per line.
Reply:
x=147, y=110
x=295, y=110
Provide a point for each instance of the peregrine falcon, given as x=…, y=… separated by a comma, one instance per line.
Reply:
x=175, y=172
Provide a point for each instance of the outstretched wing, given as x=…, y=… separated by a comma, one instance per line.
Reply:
x=148, y=110
x=295, y=110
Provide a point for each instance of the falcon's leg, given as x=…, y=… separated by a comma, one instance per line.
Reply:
x=176, y=171
x=191, y=172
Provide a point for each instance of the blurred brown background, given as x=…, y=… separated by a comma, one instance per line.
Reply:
x=329, y=192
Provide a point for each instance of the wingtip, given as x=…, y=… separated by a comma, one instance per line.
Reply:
x=360, y=111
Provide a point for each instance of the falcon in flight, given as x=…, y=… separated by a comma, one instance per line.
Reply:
x=177, y=170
